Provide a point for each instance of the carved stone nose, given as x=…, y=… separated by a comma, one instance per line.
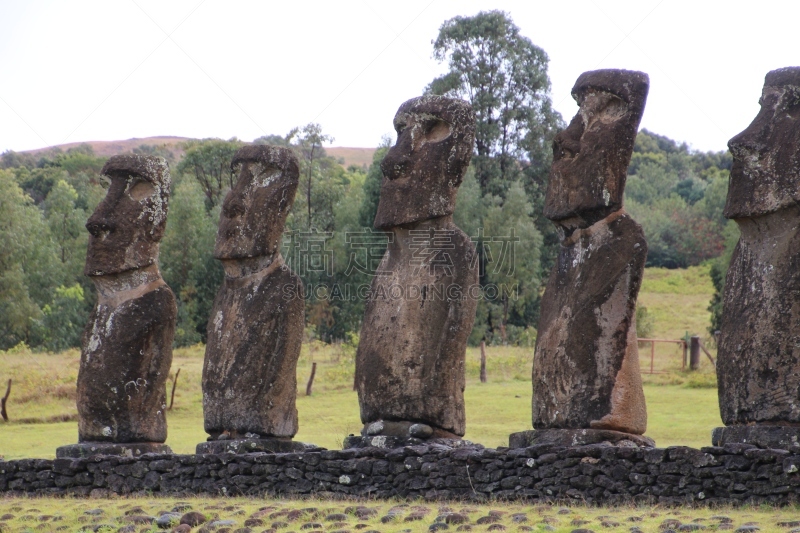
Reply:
x=233, y=209
x=565, y=146
x=395, y=164
x=98, y=227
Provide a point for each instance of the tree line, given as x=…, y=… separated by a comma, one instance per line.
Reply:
x=676, y=193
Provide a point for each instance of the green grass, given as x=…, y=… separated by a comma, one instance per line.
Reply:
x=49, y=514
x=677, y=301
x=682, y=406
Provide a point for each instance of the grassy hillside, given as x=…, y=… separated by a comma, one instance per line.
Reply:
x=682, y=406
x=346, y=155
x=109, y=148
x=359, y=157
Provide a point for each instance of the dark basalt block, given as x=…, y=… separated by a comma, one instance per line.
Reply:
x=577, y=437
x=772, y=437
x=131, y=449
x=384, y=441
x=240, y=446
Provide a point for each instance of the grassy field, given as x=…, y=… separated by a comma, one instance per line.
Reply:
x=682, y=406
x=48, y=514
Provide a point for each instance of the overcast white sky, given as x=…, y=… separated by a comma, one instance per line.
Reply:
x=116, y=69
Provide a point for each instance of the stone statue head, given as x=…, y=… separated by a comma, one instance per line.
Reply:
x=423, y=170
x=254, y=211
x=591, y=156
x=128, y=224
x=765, y=176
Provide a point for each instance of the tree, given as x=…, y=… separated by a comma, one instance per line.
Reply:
x=308, y=145
x=372, y=185
x=187, y=261
x=512, y=244
x=504, y=76
x=66, y=222
x=28, y=264
x=210, y=162
x=63, y=321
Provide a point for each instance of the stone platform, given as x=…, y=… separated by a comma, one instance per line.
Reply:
x=252, y=445
x=598, y=474
x=758, y=435
x=388, y=441
x=90, y=449
x=577, y=437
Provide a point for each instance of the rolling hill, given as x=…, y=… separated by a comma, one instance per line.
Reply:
x=345, y=155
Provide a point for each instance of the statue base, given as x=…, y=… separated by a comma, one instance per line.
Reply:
x=123, y=449
x=253, y=445
x=388, y=441
x=763, y=436
x=577, y=437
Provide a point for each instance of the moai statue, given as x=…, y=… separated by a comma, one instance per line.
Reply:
x=586, y=382
x=127, y=344
x=256, y=325
x=410, y=359
x=758, y=366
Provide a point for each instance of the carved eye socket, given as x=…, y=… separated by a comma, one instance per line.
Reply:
x=139, y=189
x=399, y=126
x=793, y=101
x=105, y=182
x=436, y=130
x=614, y=109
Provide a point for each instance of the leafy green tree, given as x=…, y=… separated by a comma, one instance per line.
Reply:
x=38, y=183
x=67, y=228
x=209, y=160
x=162, y=150
x=187, y=262
x=79, y=159
x=512, y=263
x=718, y=272
x=469, y=209
x=12, y=159
x=504, y=76
x=63, y=321
x=315, y=167
x=372, y=185
x=28, y=264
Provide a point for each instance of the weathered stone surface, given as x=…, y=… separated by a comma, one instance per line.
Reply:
x=758, y=367
x=256, y=324
x=422, y=172
x=410, y=359
x=761, y=435
x=384, y=441
x=586, y=362
x=127, y=344
x=90, y=449
x=591, y=157
x=284, y=445
x=576, y=437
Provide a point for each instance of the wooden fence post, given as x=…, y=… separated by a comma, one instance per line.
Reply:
x=694, y=353
x=174, y=384
x=311, y=379
x=3, y=411
x=483, y=361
